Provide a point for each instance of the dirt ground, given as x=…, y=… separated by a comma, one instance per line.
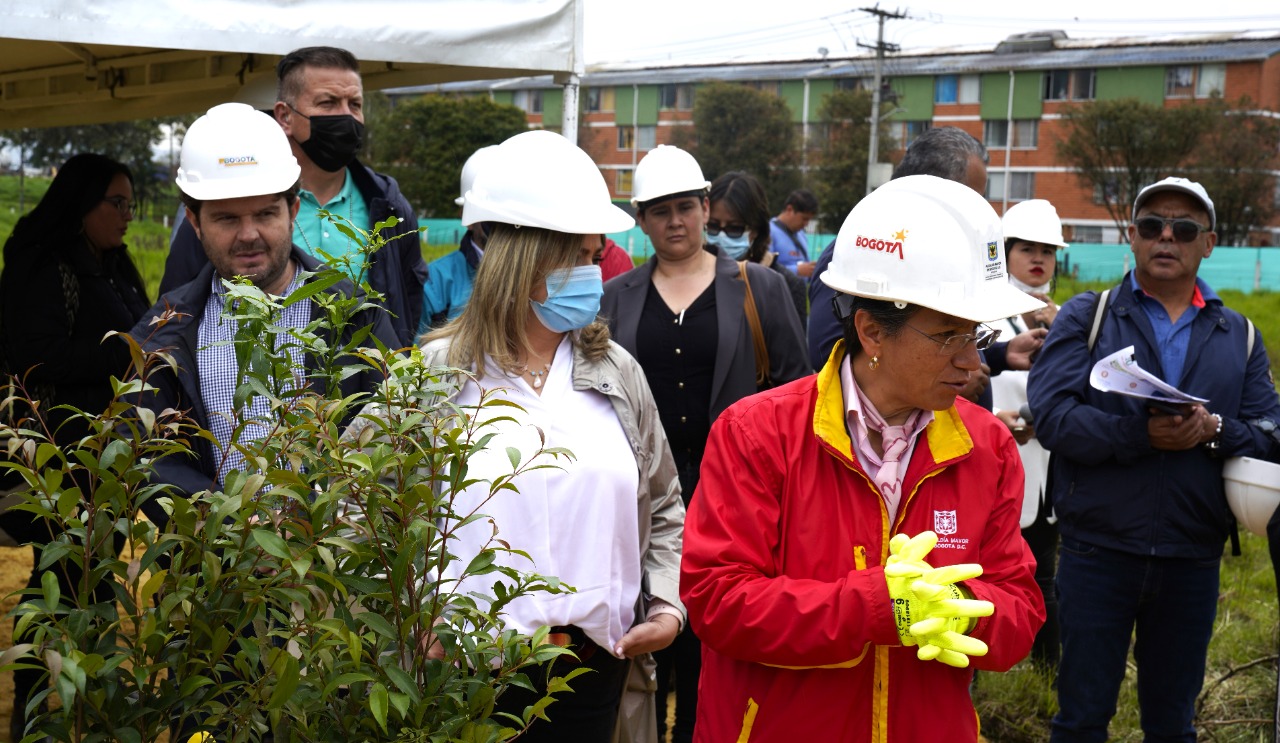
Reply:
x=15, y=568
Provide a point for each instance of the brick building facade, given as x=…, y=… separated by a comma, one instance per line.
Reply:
x=1010, y=97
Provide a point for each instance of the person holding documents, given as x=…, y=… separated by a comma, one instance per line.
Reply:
x=1137, y=486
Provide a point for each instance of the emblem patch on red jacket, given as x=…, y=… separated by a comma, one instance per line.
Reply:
x=944, y=522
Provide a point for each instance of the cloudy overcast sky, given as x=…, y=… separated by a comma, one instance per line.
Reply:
x=686, y=31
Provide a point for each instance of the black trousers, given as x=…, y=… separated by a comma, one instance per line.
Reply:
x=588, y=714
x=1042, y=538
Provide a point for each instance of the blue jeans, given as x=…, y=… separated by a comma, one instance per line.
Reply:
x=1102, y=596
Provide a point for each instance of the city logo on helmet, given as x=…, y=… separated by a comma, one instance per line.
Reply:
x=891, y=246
x=234, y=161
x=993, y=251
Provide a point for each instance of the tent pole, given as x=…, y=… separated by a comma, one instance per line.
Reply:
x=569, y=112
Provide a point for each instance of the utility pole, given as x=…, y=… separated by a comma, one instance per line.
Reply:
x=873, y=155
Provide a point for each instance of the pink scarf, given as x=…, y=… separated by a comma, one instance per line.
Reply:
x=895, y=442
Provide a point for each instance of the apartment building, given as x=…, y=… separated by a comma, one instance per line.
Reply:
x=1011, y=97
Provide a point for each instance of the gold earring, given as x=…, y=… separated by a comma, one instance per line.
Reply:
x=874, y=363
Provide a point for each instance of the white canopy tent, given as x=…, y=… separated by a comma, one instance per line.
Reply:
x=68, y=62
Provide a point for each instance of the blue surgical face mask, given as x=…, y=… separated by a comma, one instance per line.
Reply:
x=734, y=247
x=573, y=298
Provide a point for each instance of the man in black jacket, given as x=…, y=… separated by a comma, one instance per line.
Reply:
x=320, y=108
x=239, y=182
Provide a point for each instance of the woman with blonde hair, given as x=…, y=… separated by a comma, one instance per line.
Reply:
x=609, y=521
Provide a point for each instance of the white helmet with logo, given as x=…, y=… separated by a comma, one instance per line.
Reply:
x=234, y=151
x=540, y=179
x=931, y=242
x=666, y=170
x=1034, y=221
x=470, y=168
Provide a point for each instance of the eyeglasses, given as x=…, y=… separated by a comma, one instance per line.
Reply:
x=122, y=205
x=734, y=231
x=954, y=344
x=1184, y=230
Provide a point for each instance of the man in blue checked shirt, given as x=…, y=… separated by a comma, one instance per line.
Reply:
x=239, y=182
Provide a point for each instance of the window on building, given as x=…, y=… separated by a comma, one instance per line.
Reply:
x=1022, y=186
x=622, y=182
x=768, y=86
x=853, y=83
x=956, y=88
x=1200, y=81
x=641, y=137
x=907, y=131
x=529, y=101
x=1069, y=85
x=1180, y=81
x=598, y=99
x=646, y=137
x=679, y=97
x=1086, y=233
x=1026, y=133
x=1211, y=80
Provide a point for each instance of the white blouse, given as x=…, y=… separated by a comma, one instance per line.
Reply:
x=1009, y=392
x=576, y=520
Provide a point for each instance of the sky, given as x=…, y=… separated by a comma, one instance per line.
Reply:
x=654, y=32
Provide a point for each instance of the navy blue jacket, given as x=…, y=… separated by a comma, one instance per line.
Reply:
x=1109, y=487
x=397, y=271
x=181, y=390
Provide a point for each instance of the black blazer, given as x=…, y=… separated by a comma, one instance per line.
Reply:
x=735, y=370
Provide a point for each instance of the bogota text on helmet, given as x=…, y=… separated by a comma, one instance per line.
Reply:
x=931, y=242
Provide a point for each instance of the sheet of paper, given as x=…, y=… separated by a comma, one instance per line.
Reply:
x=1120, y=373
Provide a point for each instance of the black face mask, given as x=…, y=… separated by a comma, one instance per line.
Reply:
x=334, y=140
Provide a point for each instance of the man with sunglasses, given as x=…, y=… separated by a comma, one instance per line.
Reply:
x=320, y=107
x=1138, y=491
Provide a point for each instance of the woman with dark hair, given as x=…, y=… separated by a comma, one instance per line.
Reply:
x=853, y=550
x=739, y=226
x=67, y=281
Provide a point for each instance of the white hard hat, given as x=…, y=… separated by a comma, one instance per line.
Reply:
x=666, y=170
x=469, y=170
x=1179, y=185
x=540, y=179
x=931, y=242
x=234, y=151
x=1253, y=491
x=1034, y=221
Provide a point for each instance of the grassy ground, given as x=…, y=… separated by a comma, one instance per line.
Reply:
x=1239, y=695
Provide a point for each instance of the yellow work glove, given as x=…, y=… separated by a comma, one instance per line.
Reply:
x=947, y=615
x=905, y=566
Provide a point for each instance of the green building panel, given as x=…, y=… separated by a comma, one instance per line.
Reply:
x=915, y=98
x=503, y=96
x=793, y=94
x=625, y=104
x=818, y=92
x=552, y=108
x=1144, y=83
x=1027, y=102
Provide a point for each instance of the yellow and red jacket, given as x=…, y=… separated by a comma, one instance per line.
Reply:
x=783, y=577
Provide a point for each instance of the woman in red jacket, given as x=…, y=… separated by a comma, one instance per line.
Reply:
x=814, y=626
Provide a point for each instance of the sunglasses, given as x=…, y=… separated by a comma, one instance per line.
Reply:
x=734, y=231
x=1184, y=230
x=122, y=205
